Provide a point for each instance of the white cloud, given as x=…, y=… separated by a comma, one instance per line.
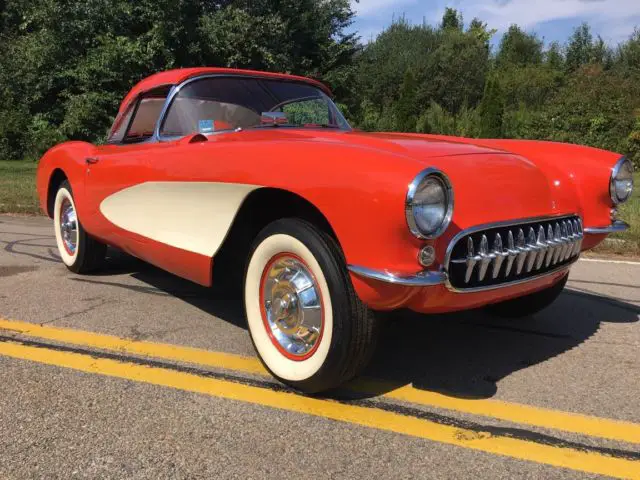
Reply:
x=615, y=19
x=529, y=13
x=365, y=8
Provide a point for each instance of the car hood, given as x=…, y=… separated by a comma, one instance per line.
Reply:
x=490, y=184
x=410, y=145
x=416, y=146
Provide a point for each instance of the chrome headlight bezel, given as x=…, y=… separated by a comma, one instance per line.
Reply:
x=414, y=187
x=620, y=164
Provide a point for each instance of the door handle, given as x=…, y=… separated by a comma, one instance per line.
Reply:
x=91, y=160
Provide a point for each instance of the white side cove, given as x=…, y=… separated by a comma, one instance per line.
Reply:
x=192, y=216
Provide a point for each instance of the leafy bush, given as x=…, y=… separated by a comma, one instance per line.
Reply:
x=66, y=65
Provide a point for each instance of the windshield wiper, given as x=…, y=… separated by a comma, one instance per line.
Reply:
x=293, y=125
x=322, y=125
x=272, y=125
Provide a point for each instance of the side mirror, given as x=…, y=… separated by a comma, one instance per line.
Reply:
x=274, y=118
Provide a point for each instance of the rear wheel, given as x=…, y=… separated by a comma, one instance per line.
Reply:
x=78, y=251
x=529, y=304
x=307, y=325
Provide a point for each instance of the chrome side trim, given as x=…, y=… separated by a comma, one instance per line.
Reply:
x=566, y=266
x=172, y=93
x=617, y=226
x=420, y=279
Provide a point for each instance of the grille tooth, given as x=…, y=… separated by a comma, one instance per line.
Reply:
x=500, y=255
x=532, y=249
x=557, y=238
x=471, y=260
x=523, y=250
x=542, y=247
x=564, y=239
x=551, y=242
x=577, y=227
x=572, y=240
x=485, y=257
x=512, y=253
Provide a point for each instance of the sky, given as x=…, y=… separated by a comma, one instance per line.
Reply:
x=552, y=20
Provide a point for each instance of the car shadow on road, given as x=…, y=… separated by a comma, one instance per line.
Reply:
x=466, y=354
x=462, y=354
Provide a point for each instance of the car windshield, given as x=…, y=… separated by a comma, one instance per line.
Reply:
x=216, y=104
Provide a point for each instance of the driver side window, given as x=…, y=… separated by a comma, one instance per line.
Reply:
x=138, y=122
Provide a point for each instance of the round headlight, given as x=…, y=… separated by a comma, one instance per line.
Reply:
x=429, y=204
x=621, y=184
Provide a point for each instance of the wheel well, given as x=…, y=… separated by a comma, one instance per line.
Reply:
x=259, y=209
x=56, y=179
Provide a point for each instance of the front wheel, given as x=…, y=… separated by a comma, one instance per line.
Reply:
x=307, y=325
x=529, y=304
x=78, y=251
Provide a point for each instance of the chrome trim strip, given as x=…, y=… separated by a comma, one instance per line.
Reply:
x=617, y=226
x=420, y=279
x=172, y=93
x=515, y=282
x=408, y=203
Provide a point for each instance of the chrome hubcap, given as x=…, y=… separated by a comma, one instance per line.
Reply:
x=69, y=227
x=292, y=306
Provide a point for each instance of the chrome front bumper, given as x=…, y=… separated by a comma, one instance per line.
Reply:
x=420, y=279
x=617, y=226
x=433, y=278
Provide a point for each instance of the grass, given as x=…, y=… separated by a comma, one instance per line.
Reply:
x=18, y=188
x=18, y=195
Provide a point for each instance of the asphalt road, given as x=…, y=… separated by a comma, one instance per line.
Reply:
x=182, y=396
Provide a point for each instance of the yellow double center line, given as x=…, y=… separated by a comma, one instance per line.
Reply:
x=573, y=458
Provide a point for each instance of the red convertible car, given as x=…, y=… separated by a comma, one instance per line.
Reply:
x=261, y=172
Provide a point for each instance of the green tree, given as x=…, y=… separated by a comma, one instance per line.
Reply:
x=480, y=30
x=492, y=110
x=66, y=64
x=405, y=111
x=579, y=48
x=627, y=57
x=451, y=19
x=519, y=48
x=601, y=53
x=554, y=57
x=633, y=142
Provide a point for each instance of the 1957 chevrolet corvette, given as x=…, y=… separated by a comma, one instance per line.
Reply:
x=262, y=173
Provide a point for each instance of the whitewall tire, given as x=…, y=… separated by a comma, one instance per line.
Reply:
x=306, y=323
x=79, y=252
x=66, y=226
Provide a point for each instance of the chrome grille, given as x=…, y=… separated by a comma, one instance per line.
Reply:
x=501, y=254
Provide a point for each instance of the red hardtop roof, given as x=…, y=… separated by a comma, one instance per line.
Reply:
x=175, y=77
